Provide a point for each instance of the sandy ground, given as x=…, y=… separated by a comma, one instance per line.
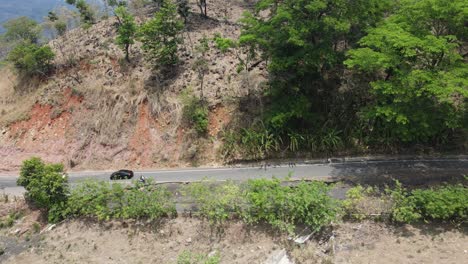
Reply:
x=364, y=242
x=371, y=242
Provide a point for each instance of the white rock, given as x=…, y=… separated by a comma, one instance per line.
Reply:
x=17, y=231
x=50, y=227
x=278, y=257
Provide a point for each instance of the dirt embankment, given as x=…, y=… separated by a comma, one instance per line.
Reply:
x=97, y=111
x=365, y=242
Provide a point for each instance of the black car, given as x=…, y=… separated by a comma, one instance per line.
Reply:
x=122, y=175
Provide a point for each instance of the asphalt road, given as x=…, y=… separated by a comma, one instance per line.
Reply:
x=411, y=172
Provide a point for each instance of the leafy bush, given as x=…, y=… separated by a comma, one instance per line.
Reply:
x=366, y=202
x=444, y=203
x=216, y=202
x=46, y=184
x=258, y=144
x=10, y=219
x=286, y=206
x=187, y=257
x=230, y=145
x=261, y=142
x=195, y=112
x=148, y=202
x=32, y=59
x=265, y=201
x=250, y=143
x=353, y=197
x=199, y=118
x=105, y=201
x=223, y=44
x=403, y=209
x=61, y=27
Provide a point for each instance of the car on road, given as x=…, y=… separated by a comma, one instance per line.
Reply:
x=122, y=175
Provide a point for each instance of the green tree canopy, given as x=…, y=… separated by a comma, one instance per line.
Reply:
x=31, y=59
x=22, y=29
x=161, y=36
x=304, y=43
x=87, y=14
x=46, y=184
x=419, y=76
x=127, y=30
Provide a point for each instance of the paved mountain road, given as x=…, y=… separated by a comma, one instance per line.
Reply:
x=372, y=172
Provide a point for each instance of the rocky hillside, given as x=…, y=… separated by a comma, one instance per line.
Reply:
x=98, y=111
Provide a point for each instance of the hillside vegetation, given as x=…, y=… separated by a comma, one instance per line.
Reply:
x=190, y=82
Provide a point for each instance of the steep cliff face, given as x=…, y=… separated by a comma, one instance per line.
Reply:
x=97, y=111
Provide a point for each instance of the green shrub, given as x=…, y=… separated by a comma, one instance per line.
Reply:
x=46, y=184
x=148, y=202
x=216, y=202
x=365, y=202
x=195, y=112
x=249, y=143
x=31, y=59
x=223, y=44
x=230, y=146
x=353, y=197
x=96, y=199
x=444, y=203
x=36, y=227
x=403, y=208
x=260, y=142
x=9, y=221
x=200, y=118
x=187, y=257
x=265, y=201
x=286, y=206
x=61, y=27
x=106, y=201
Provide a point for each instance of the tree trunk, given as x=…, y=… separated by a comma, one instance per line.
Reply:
x=127, y=52
x=205, y=14
x=202, y=6
x=202, y=77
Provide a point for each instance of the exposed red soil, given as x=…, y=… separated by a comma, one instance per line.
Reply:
x=45, y=131
x=51, y=133
x=142, y=141
x=218, y=118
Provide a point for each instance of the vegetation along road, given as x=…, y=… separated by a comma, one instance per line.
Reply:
x=414, y=172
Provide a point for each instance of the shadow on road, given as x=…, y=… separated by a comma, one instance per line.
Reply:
x=409, y=173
